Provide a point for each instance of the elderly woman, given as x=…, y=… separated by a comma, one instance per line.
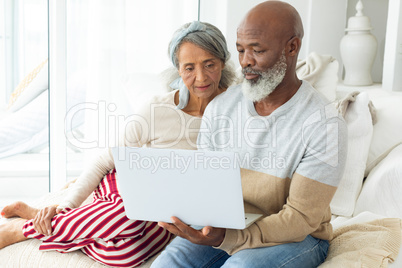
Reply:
x=101, y=229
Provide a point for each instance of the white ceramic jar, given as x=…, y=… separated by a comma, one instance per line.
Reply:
x=358, y=50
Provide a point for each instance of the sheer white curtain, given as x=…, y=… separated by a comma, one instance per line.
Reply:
x=115, y=51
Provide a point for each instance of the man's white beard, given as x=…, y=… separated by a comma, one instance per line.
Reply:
x=266, y=83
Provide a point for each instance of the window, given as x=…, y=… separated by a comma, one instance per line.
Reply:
x=23, y=99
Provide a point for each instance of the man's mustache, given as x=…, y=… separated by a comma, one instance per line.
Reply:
x=250, y=70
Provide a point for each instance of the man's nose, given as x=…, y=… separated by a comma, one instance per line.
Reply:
x=246, y=59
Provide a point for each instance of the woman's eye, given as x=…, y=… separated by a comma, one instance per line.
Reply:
x=210, y=65
x=189, y=69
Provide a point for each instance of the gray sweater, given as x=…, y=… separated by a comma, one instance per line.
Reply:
x=292, y=162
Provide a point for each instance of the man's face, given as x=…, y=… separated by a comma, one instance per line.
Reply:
x=257, y=90
x=262, y=58
x=258, y=47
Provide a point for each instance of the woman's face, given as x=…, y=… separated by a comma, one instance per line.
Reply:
x=200, y=70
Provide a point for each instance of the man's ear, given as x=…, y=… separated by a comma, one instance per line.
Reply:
x=294, y=45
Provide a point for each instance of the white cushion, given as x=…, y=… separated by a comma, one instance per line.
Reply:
x=360, y=130
x=381, y=193
x=321, y=71
x=27, y=128
x=387, y=131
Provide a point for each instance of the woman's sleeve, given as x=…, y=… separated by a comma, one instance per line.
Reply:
x=89, y=180
x=134, y=132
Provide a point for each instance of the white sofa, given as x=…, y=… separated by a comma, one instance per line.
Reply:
x=372, y=183
x=375, y=152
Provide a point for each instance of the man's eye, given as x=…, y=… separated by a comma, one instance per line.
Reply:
x=189, y=69
x=259, y=51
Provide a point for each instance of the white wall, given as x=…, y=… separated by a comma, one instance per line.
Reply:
x=324, y=24
x=227, y=15
x=392, y=78
x=318, y=16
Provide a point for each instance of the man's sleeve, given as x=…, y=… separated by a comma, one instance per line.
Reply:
x=302, y=214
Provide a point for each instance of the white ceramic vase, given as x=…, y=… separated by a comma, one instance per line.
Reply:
x=358, y=50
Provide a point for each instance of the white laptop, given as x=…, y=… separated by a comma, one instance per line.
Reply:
x=200, y=188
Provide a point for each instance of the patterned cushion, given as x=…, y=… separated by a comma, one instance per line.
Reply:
x=30, y=87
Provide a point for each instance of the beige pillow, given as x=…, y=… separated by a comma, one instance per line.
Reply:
x=321, y=71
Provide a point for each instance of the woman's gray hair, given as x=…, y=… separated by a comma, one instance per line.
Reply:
x=212, y=40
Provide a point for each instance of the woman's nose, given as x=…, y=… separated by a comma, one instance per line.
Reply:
x=200, y=75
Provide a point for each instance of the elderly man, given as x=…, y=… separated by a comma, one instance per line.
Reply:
x=291, y=144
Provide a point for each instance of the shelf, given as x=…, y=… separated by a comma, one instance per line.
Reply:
x=342, y=89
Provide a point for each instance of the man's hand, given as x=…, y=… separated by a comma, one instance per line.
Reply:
x=42, y=223
x=208, y=236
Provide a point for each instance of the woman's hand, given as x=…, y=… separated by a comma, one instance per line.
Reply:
x=42, y=223
x=208, y=236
